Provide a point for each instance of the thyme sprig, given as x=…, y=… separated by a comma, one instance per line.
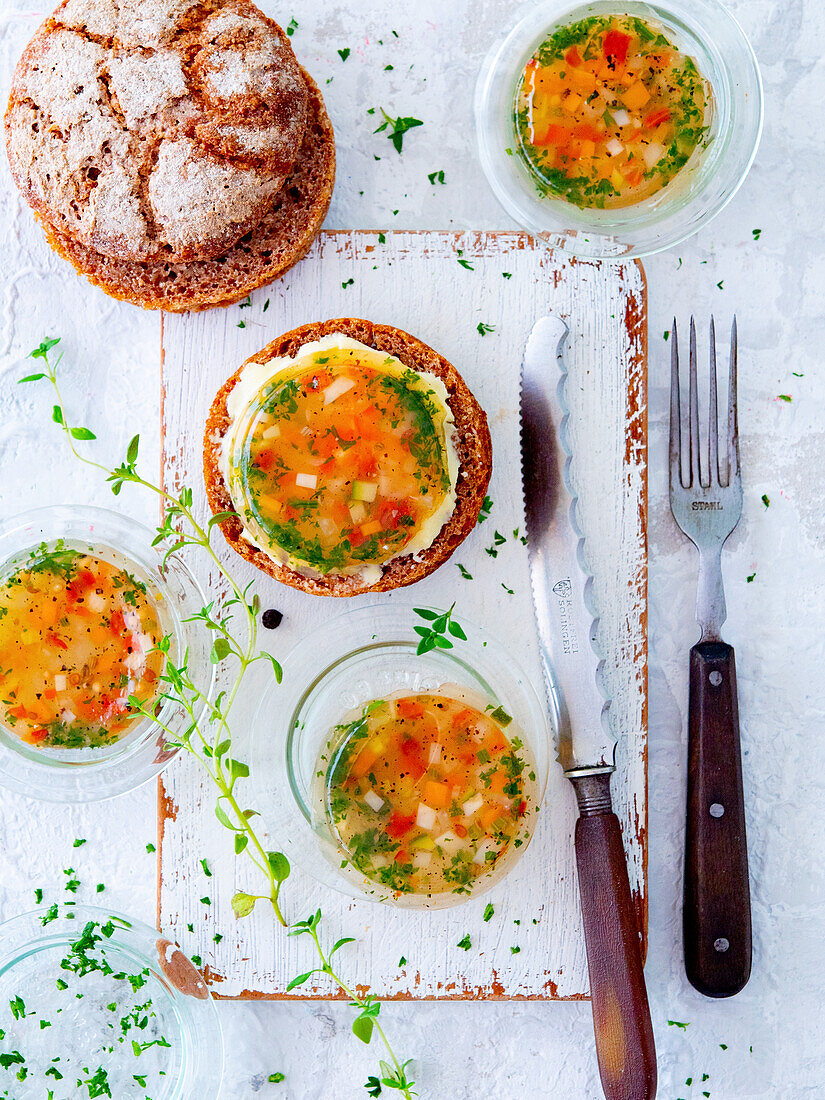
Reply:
x=207, y=735
x=441, y=623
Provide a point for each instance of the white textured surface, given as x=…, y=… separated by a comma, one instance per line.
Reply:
x=442, y=304
x=511, y=1051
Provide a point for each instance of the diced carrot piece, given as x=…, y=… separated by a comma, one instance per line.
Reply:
x=636, y=96
x=371, y=528
x=495, y=742
x=365, y=760
x=436, y=794
x=487, y=815
x=457, y=827
x=498, y=781
x=583, y=80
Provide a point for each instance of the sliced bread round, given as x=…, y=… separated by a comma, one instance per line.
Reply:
x=471, y=437
x=166, y=137
x=281, y=238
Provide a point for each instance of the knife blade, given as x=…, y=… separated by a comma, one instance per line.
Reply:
x=567, y=622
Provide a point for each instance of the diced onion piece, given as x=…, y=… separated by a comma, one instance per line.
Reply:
x=335, y=389
x=374, y=801
x=621, y=118
x=329, y=528
x=653, y=153
x=67, y=716
x=472, y=805
x=364, y=490
x=272, y=432
x=435, y=753
x=358, y=512
x=306, y=481
x=60, y=682
x=95, y=602
x=422, y=859
x=481, y=853
x=449, y=842
x=425, y=818
x=614, y=147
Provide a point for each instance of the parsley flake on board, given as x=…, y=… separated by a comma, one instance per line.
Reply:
x=436, y=176
x=488, y=911
x=397, y=127
x=344, y=54
x=465, y=943
x=292, y=28
x=466, y=574
x=766, y=500
x=483, y=329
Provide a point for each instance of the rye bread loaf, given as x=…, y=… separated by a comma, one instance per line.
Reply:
x=471, y=438
x=279, y=240
x=155, y=129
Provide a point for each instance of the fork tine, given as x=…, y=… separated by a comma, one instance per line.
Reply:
x=733, y=420
x=675, y=412
x=713, y=473
x=693, y=398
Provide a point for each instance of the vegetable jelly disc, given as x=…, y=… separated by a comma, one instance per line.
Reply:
x=343, y=460
x=426, y=793
x=609, y=111
x=78, y=638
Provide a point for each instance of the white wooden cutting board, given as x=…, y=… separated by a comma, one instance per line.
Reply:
x=414, y=280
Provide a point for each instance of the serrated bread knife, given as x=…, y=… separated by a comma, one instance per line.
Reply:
x=566, y=627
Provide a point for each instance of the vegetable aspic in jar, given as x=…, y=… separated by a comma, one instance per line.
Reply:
x=79, y=652
x=427, y=794
x=609, y=111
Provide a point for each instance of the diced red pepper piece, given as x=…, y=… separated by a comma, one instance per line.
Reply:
x=522, y=808
x=55, y=641
x=402, y=856
x=553, y=134
x=409, y=708
x=399, y=825
x=656, y=118
x=38, y=735
x=587, y=132
x=573, y=57
x=615, y=47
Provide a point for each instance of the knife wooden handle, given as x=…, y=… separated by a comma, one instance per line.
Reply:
x=621, y=1015
x=717, y=906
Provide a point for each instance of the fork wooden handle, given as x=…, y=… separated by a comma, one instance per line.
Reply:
x=621, y=1016
x=717, y=908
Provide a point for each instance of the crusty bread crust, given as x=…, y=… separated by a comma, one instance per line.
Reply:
x=471, y=436
x=282, y=238
x=166, y=138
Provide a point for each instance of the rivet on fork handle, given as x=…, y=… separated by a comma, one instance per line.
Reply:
x=716, y=915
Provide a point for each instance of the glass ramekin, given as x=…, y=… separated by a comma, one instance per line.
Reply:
x=703, y=29
x=363, y=655
x=91, y=774
x=186, y=1018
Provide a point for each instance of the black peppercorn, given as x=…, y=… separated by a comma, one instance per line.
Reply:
x=271, y=618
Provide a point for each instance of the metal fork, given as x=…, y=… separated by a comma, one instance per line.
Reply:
x=706, y=501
